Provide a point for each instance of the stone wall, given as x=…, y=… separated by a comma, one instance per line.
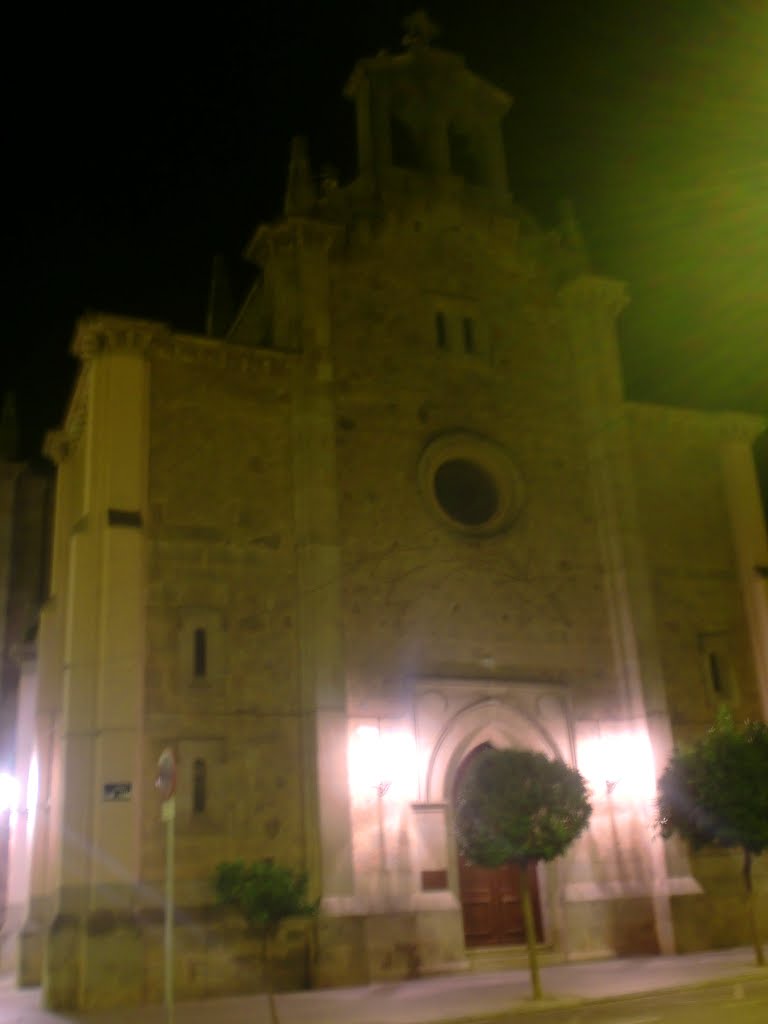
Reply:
x=699, y=604
x=221, y=560
x=702, y=626
x=420, y=597
x=422, y=600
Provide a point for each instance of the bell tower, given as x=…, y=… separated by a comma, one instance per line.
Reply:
x=423, y=113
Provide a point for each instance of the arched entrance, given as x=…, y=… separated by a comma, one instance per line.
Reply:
x=490, y=897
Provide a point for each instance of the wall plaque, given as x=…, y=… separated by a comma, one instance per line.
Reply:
x=116, y=792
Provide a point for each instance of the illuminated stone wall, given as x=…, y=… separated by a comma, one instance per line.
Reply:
x=419, y=596
x=691, y=551
x=221, y=560
x=704, y=534
x=503, y=617
x=25, y=510
x=401, y=511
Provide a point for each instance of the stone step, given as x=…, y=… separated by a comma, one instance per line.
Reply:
x=507, y=958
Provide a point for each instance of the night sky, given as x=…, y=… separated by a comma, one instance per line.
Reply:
x=142, y=140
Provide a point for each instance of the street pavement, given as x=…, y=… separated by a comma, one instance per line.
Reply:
x=724, y=982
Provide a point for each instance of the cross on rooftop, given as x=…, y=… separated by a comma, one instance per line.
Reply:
x=420, y=30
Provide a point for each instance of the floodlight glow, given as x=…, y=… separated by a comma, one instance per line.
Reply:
x=33, y=785
x=9, y=793
x=382, y=761
x=620, y=762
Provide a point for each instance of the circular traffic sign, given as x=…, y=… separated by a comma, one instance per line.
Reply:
x=165, y=783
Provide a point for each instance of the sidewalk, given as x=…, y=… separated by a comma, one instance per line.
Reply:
x=423, y=1001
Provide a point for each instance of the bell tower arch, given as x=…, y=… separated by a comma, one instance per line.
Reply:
x=422, y=112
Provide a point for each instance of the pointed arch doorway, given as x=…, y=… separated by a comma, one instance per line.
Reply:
x=491, y=903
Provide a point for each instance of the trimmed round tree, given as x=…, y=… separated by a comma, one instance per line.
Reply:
x=265, y=894
x=519, y=807
x=716, y=794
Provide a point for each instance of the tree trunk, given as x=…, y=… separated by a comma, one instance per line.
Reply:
x=752, y=909
x=266, y=959
x=530, y=932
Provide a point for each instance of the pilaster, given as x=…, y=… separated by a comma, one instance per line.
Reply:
x=95, y=646
x=59, y=446
x=305, y=255
x=590, y=307
x=750, y=546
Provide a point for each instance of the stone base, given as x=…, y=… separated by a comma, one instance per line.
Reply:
x=357, y=950
x=614, y=927
x=717, y=918
x=29, y=955
x=30, y=945
x=96, y=963
x=111, y=959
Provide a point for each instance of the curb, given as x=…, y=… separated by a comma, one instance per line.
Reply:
x=545, y=1005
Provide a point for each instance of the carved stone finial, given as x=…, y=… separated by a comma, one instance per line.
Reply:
x=420, y=30
x=300, y=192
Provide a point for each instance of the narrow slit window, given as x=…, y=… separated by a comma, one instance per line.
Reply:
x=441, y=331
x=199, y=786
x=468, y=327
x=200, y=653
x=717, y=668
x=717, y=674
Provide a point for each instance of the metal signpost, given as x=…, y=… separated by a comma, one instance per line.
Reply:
x=166, y=786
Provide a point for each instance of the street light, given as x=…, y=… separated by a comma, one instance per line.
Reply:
x=619, y=759
x=382, y=762
x=9, y=793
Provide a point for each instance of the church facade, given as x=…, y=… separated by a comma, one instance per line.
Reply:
x=398, y=510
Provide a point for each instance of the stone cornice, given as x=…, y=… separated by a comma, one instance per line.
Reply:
x=588, y=291
x=190, y=348
x=97, y=334
x=725, y=426
x=103, y=334
x=740, y=426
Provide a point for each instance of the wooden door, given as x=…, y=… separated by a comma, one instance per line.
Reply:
x=492, y=907
x=490, y=898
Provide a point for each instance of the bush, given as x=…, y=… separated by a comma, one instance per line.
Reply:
x=716, y=794
x=265, y=894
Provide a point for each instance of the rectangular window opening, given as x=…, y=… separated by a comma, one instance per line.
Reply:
x=717, y=674
x=200, y=653
x=441, y=331
x=716, y=666
x=123, y=517
x=199, y=786
x=468, y=327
